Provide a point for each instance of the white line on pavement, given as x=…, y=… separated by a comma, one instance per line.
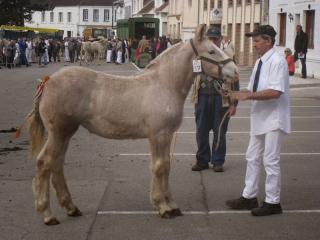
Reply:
x=228, y=154
x=304, y=117
x=196, y=212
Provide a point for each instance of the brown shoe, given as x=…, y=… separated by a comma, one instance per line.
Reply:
x=217, y=168
x=200, y=165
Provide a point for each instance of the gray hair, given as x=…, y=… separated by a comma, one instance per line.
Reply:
x=266, y=36
x=288, y=50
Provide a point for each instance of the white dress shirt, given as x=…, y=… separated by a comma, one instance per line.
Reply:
x=273, y=114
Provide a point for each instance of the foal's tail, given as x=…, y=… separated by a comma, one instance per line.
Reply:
x=36, y=129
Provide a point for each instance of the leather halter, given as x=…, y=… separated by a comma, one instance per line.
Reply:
x=219, y=64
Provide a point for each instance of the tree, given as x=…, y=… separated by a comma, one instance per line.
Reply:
x=17, y=12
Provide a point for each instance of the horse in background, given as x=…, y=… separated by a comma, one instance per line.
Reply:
x=148, y=104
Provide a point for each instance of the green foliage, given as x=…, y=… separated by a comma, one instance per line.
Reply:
x=17, y=12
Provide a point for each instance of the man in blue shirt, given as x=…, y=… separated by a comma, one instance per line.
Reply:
x=23, y=46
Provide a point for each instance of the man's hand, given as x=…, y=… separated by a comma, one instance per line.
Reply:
x=233, y=110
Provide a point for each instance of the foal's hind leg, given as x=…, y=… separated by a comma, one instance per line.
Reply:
x=50, y=161
x=160, y=194
x=59, y=182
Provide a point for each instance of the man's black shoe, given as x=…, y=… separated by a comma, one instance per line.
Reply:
x=217, y=168
x=267, y=209
x=200, y=165
x=243, y=203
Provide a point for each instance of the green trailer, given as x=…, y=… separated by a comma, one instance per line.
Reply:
x=135, y=28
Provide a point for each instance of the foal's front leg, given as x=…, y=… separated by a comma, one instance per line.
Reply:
x=160, y=194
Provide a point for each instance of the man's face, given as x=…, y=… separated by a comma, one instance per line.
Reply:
x=299, y=29
x=216, y=41
x=261, y=45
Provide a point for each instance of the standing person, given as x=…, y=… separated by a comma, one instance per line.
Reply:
x=119, y=51
x=50, y=49
x=142, y=44
x=270, y=120
x=42, y=52
x=153, y=45
x=133, y=50
x=114, y=51
x=46, y=41
x=29, y=50
x=163, y=44
x=55, y=51
x=300, y=49
x=23, y=46
x=72, y=46
x=66, y=50
x=290, y=60
x=228, y=48
x=10, y=51
x=209, y=112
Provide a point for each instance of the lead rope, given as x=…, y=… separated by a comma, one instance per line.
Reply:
x=226, y=114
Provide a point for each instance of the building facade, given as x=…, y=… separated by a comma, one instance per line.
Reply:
x=285, y=16
x=74, y=16
x=233, y=17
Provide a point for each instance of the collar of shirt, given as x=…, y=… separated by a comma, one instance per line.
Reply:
x=267, y=55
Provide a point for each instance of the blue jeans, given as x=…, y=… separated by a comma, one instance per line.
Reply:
x=44, y=55
x=209, y=113
x=303, y=63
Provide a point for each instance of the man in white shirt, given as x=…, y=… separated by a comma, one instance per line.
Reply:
x=270, y=120
x=66, y=50
x=29, y=50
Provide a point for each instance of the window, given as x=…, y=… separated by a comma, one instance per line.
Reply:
x=85, y=15
x=106, y=17
x=205, y=4
x=239, y=2
x=211, y=4
x=219, y=3
x=310, y=28
x=96, y=15
x=230, y=3
x=115, y=15
x=51, y=16
x=282, y=34
x=43, y=17
x=190, y=3
x=61, y=17
x=69, y=17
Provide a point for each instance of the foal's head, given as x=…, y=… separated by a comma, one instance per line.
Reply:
x=212, y=57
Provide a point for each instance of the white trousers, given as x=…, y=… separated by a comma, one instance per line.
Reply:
x=119, y=57
x=264, y=148
x=67, y=59
x=29, y=55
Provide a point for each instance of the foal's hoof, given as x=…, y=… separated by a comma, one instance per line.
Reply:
x=168, y=215
x=76, y=213
x=177, y=212
x=172, y=214
x=52, y=221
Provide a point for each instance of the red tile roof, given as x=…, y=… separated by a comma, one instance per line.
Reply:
x=147, y=8
x=163, y=6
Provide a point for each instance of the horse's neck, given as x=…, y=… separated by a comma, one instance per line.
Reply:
x=175, y=69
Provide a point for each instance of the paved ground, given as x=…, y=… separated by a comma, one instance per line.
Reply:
x=110, y=180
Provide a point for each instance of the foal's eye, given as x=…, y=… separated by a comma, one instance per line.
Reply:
x=211, y=52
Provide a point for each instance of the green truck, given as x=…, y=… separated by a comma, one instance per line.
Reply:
x=135, y=28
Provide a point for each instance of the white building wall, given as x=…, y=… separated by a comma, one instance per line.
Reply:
x=298, y=8
x=77, y=24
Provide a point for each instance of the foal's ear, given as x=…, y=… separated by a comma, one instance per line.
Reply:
x=200, y=32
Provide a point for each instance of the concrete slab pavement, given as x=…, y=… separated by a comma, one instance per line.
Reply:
x=110, y=180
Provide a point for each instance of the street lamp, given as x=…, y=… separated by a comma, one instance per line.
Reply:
x=118, y=3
